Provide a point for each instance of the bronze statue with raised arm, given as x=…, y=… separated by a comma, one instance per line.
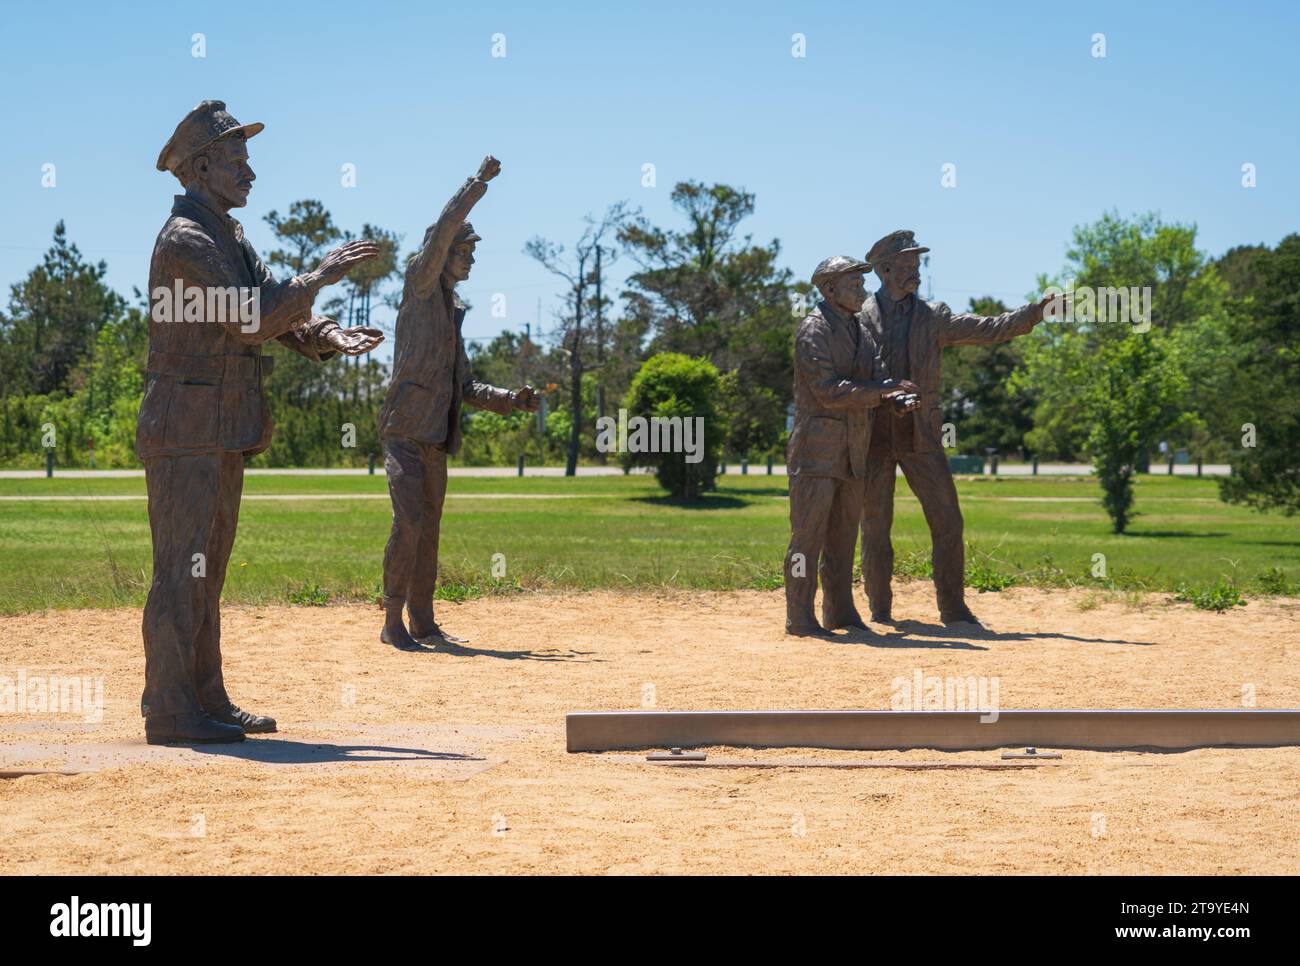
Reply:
x=419, y=424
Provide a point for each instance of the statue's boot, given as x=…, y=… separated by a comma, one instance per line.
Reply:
x=963, y=616
x=394, y=632
x=801, y=623
x=253, y=724
x=195, y=728
x=842, y=617
x=425, y=630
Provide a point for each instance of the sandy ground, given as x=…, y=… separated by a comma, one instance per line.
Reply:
x=454, y=761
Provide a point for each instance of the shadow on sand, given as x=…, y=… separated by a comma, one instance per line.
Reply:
x=282, y=751
x=959, y=638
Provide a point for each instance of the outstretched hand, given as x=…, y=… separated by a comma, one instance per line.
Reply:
x=355, y=341
x=527, y=400
x=343, y=259
x=1052, y=307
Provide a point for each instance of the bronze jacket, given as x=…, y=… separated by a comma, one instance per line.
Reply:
x=837, y=382
x=431, y=376
x=203, y=385
x=934, y=326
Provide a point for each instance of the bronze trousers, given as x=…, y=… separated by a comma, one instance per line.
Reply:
x=417, y=485
x=930, y=478
x=193, y=513
x=823, y=532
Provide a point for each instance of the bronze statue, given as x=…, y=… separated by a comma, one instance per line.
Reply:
x=420, y=421
x=912, y=334
x=838, y=381
x=203, y=412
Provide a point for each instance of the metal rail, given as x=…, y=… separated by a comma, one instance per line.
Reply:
x=943, y=730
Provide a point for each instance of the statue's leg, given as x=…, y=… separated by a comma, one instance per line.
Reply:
x=838, y=609
x=877, y=521
x=931, y=480
x=405, y=469
x=424, y=576
x=207, y=672
x=810, y=508
x=183, y=497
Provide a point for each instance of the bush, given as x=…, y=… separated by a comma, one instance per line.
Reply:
x=675, y=387
x=1222, y=596
x=984, y=578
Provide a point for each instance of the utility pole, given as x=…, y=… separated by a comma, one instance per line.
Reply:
x=600, y=340
x=575, y=371
x=600, y=344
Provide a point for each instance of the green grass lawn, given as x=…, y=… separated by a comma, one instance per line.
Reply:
x=620, y=532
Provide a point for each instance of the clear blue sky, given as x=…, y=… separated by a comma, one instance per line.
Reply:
x=840, y=147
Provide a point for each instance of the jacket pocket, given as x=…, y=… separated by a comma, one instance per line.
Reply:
x=193, y=416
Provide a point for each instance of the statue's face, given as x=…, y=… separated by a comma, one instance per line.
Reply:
x=225, y=173
x=460, y=261
x=847, y=291
x=901, y=275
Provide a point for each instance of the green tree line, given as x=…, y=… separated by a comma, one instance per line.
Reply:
x=1211, y=372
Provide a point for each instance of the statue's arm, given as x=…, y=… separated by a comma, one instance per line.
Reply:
x=197, y=260
x=482, y=394
x=306, y=334
x=812, y=357
x=970, y=329
x=425, y=268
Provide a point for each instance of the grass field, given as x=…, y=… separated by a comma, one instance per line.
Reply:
x=320, y=539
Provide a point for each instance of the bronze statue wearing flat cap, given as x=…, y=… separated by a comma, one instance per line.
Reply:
x=912, y=334
x=419, y=424
x=213, y=305
x=838, y=381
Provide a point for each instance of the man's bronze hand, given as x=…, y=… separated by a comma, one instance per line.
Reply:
x=904, y=402
x=343, y=259
x=527, y=400
x=1053, y=306
x=489, y=169
x=355, y=341
x=905, y=385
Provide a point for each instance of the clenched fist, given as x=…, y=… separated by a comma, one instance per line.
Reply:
x=489, y=169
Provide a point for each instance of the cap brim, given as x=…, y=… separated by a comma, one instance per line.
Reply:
x=827, y=276
x=248, y=130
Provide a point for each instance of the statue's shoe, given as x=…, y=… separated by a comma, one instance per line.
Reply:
x=806, y=630
x=436, y=635
x=189, y=729
x=849, y=622
x=253, y=724
x=961, y=617
x=404, y=642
